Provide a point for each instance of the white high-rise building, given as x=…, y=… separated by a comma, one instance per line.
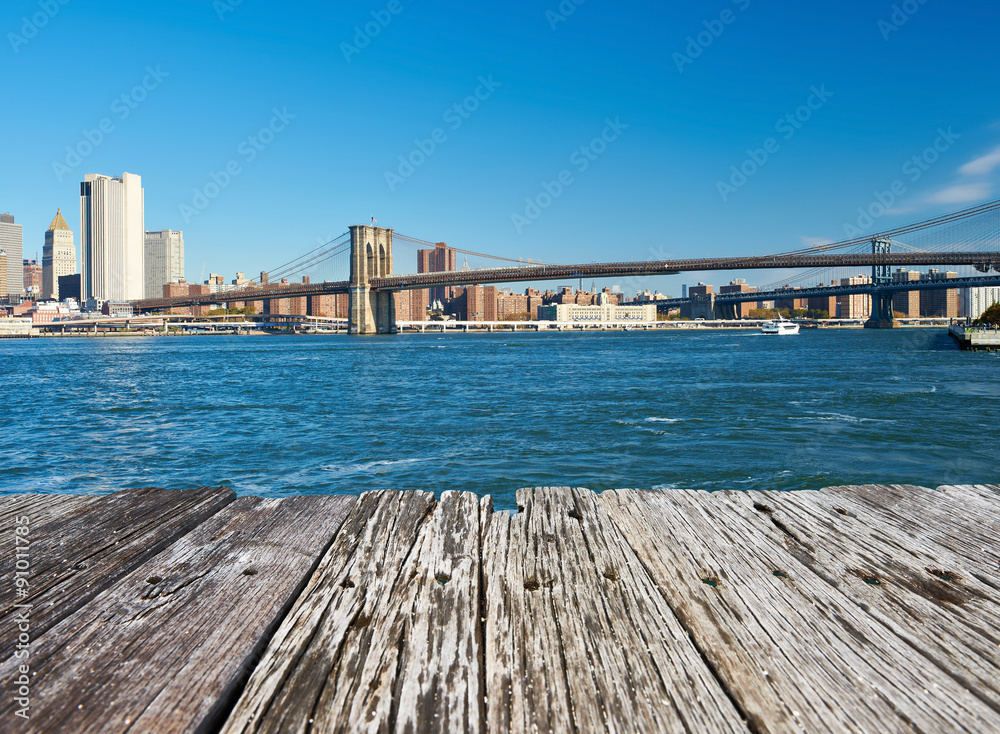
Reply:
x=973, y=301
x=58, y=256
x=164, y=260
x=12, y=242
x=112, y=238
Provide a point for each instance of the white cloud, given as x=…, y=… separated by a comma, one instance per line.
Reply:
x=982, y=165
x=961, y=194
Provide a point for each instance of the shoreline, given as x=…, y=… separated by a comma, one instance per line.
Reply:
x=501, y=328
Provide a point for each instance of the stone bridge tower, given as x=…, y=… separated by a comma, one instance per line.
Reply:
x=370, y=312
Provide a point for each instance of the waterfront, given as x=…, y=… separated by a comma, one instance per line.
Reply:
x=492, y=413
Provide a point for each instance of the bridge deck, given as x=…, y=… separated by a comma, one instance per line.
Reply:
x=872, y=608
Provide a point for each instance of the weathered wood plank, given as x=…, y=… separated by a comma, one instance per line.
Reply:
x=961, y=519
x=168, y=647
x=791, y=649
x=577, y=636
x=385, y=637
x=915, y=588
x=75, y=555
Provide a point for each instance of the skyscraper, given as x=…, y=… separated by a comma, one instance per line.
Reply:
x=112, y=237
x=58, y=256
x=11, y=242
x=164, y=260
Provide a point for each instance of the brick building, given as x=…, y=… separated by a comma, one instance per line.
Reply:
x=857, y=305
x=940, y=302
x=740, y=286
x=906, y=303
x=476, y=303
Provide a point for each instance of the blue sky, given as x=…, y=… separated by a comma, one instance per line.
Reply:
x=619, y=123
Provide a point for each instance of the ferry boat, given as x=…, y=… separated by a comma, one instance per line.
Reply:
x=780, y=326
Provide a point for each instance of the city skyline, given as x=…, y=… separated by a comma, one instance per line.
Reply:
x=696, y=127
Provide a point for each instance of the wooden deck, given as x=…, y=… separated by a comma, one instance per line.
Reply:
x=868, y=609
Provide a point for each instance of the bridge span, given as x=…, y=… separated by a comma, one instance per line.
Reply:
x=372, y=281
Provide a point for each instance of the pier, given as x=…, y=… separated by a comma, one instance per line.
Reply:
x=863, y=608
x=975, y=338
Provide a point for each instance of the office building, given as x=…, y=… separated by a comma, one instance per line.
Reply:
x=112, y=237
x=58, y=256
x=163, y=260
x=69, y=287
x=3, y=273
x=12, y=243
x=604, y=312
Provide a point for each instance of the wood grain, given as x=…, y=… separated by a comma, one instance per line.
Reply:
x=169, y=647
x=793, y=650
x=385, y=637
x=578, y=638
x=79, y=551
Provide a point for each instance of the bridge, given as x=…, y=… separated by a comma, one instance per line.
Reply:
x=966, y=238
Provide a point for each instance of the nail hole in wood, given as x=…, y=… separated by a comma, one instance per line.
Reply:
x=532, y=585
x=780, y=574
x=762, y=508
x=250, y=572
x=840, y=510
x=949, y=576
x=346, y=584
x=154, y=580
x=610, y=575
x=442, y=579
x=713, y=582
x=869, y=578
x=81, y=566
x=575, y=515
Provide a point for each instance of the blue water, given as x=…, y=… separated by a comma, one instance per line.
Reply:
x=491, y=413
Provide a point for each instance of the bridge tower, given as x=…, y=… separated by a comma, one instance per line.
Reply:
x=881, y=317
x=370, y=312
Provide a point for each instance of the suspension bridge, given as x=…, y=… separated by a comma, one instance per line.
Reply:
x=362, y=260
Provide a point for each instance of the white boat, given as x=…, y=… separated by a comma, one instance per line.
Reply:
x=779, y=326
